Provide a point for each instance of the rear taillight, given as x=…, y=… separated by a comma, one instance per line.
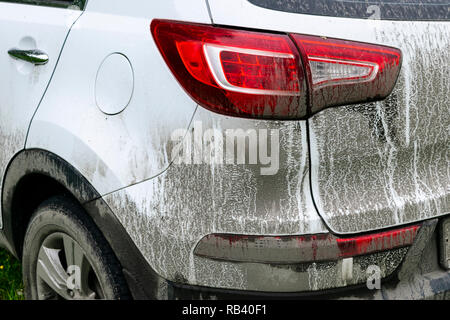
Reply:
x=260, y=75
x=344, y=72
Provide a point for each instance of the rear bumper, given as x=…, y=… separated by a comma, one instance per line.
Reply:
x=168, y=245
x=437, y=284
x=419, y=276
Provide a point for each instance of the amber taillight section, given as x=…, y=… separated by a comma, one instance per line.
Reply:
x=343, y=72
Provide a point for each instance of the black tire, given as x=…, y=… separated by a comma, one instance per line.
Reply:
x=61, y=221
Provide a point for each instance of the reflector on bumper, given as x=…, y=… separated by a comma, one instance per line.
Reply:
x=298, y=249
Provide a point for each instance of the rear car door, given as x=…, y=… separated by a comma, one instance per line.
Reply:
x=28, y=30
x=375, y=164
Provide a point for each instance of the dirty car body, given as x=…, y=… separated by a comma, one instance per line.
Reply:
x=245, y=148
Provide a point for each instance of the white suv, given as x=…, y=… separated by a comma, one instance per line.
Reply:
x=226, y=148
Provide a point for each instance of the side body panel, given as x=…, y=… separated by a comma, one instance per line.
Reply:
x=115, y=151
x=22, y=84
x=380, y=164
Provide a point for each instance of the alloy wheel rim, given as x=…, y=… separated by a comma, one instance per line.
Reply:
x=63, y=271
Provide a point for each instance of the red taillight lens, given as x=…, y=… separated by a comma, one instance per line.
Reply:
x=382, y=241
x=255, y=72
x=260, y=75
x=234, y=72
x=344, y=72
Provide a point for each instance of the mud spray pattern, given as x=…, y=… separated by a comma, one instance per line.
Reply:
x=233, y=146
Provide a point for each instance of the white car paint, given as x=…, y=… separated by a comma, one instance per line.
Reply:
x=136, y=145
x=22, y=84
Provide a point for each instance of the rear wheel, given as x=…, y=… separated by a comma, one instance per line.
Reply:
x=66, y=257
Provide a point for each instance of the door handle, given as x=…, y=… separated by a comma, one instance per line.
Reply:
x=36, y=57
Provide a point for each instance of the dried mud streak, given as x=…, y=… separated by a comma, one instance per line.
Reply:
x=380, y=164
x=168, y=215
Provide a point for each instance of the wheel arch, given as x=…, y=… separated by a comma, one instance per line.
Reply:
x=33, y=176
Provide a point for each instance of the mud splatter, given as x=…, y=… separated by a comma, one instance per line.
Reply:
x=379, y=164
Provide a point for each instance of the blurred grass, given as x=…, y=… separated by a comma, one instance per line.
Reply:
x=11, y=287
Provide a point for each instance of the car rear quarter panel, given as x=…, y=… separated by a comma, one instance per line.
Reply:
x=380, y=164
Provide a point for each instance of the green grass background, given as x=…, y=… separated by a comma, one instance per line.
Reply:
x=11, y=287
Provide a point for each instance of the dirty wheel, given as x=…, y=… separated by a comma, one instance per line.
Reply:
x=66, y=257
